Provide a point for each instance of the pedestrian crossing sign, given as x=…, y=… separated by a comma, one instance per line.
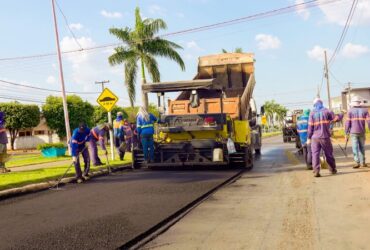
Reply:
x=107, y=99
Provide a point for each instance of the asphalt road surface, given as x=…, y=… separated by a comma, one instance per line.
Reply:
x=104, y=213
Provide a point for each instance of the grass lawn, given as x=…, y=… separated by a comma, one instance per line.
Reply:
x=271, y=134
x=18, y=179
x=32, y=159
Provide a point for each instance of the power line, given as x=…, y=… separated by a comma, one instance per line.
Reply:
x=19, y=99
x=45, y=89
x=344, y=31
x=67, y=24
x=266, y=14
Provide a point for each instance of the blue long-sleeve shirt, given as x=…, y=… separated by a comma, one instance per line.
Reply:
x=79, y=139
x=145, y=127
x=302, y=128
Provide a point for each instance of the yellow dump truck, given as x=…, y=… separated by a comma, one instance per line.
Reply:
x=213, y=119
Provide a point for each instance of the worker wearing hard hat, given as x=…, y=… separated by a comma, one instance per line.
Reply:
x=319, y=136
x=302, y=129
x=357, y=118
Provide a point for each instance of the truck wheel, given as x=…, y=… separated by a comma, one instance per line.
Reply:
x=257, y=151
x=248, y=158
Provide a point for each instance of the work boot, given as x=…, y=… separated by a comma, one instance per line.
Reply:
x=309, y=167
x=357, y=165
x=317, y=174
x=334, y=171
x=79, y=180
x=86, y=177
x=4, y=170
x=364, y=165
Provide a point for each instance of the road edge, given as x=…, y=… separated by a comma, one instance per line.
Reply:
x=32, y=188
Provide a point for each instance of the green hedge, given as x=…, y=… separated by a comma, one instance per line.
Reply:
x=50, y=145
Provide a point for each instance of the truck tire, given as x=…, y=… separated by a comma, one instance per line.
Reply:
x=248, y=158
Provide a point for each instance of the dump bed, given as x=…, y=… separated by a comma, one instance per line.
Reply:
x=234, y=73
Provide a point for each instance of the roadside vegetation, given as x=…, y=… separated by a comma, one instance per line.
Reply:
x=19, y=179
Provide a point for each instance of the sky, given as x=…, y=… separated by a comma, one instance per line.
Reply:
x=288, y=48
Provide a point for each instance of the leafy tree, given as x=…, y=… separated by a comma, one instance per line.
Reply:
x=236, y=50
x=132, y=112
x=19, y=116
x=101, y=115
x=141, y=47
x=274, y=111
x=78, y=110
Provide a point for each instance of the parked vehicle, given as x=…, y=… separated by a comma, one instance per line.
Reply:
x=290, y=132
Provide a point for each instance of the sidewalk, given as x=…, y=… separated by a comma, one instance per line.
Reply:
x=280, y=205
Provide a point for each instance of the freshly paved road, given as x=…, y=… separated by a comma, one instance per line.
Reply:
x=104, y=213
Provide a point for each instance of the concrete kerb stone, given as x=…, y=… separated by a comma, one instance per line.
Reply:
x=31, y=188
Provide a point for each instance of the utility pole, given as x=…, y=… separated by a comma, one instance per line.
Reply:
x=327, y=79
x=65, y=107
x=109, y=120
x=349, y=94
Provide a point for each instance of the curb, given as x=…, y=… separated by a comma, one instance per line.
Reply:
x=31, y=188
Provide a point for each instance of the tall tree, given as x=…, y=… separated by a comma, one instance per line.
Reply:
x=236, y=50
x=79, y=111
x=19, y=116
x=101, y=115
x=141, y=47
x=274, y=111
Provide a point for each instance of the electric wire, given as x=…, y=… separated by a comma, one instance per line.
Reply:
x=274, y=12
x=344, y=32
x=46, y=89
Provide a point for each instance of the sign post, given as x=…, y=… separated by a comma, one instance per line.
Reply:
x=107, y=100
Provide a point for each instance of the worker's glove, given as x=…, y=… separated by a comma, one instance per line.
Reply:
x=74, y=158
x=106, y=152
x=308, y=141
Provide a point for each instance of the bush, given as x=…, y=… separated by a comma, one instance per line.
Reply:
x=50, y=145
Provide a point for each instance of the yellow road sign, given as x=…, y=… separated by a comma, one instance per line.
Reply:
x=107, y=99
x=263, y=120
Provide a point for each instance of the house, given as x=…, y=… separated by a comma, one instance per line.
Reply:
x=336, y=104
x=30, y=138
x=361, y=93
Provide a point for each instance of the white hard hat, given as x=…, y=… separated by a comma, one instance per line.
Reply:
x=355, y=101
x=316, y=100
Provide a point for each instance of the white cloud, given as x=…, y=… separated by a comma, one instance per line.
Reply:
x=156, y=10
x=351, y=50
x=50, y=80
x=338, y=12
x=302, y=10
x=193, y=45
x=76, y=26
x=265, y=42
x=108, y=14
x=317, y=53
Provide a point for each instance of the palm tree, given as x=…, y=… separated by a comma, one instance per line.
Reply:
x=236, y=50
x=141, y=47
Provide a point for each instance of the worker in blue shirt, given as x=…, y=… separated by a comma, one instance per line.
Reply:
x=302, y=128
x=145, y=128
x=80, y=136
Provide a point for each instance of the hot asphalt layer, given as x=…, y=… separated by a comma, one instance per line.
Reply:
x=104, y=213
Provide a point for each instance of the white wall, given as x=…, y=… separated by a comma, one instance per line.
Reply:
x=31, y=142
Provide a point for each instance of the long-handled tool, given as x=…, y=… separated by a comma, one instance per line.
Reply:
x=344, y=151
x=108, y=165
x=56, y=186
